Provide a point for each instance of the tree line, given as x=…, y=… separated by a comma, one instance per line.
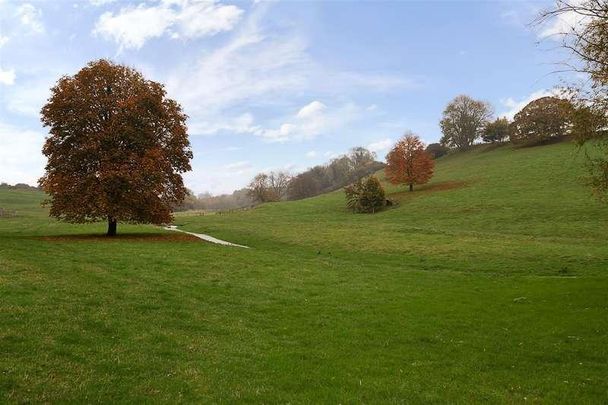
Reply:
x=280, y=185
x=466, y=122
x=337, y=173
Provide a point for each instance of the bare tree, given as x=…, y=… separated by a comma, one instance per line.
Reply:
x=259, y=188
x=269, y=187
x=278, y=183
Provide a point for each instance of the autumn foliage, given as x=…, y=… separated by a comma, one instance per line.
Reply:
x=116, y=150
x=408, y=162
x=541, y=120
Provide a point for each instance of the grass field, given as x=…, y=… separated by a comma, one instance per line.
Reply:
x=490, y=284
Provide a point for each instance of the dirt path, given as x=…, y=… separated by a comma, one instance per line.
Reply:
x=205, y=237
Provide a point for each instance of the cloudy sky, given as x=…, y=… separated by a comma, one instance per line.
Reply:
x=276, y=85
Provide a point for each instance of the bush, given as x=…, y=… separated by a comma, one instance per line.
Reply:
x=366, y=195
x=437, y=150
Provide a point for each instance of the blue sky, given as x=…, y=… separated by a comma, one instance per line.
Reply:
x=276, y=85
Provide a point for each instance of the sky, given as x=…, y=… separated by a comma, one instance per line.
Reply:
x=277, y=85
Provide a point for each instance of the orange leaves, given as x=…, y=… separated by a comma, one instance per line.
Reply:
x=117, y=147
x=408, y=163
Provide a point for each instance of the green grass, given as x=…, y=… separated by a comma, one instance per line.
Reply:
x=490, y=284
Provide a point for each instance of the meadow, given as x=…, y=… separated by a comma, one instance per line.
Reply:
x=489, y=284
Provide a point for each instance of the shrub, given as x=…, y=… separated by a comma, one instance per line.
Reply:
x=436, y=150
x=366, y=195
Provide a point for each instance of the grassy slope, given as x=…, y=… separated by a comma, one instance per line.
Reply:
x=489, y=284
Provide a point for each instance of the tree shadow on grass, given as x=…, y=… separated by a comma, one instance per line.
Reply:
x=130, y=237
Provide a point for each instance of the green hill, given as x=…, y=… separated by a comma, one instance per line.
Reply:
x=486, y=285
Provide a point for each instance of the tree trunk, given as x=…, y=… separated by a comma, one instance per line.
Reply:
x=411, y=187
x=111, y=226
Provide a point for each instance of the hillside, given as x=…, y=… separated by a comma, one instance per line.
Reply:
x=486, y=285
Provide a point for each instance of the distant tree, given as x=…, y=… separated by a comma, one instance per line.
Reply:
x=360, y=157
x=278, y=183
x=303, y=185
x=116, y=150
x=496, y=131
x=269, y=187
x=190, y=202
x=340, y=171
x=540, y=120
x=408, y=162
x=259, y=188
x=463, y=121
x=365, y=195
x=436, y=150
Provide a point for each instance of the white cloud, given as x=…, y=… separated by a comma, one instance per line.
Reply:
x=27, y=98
x=513, y=106
x=312, y=110
x=381, y=145
x=3, y=40
x=219, y=180
x=98, y=3
x=197, y=19
x=239, y=167
x=311, y=154
x=31, y=17
x=131, y=27
x=259, y=67
x=7, y=76
x=21, y=159
x=240, y=124
x=310, y=121
x=564, y=23
x=251, y=68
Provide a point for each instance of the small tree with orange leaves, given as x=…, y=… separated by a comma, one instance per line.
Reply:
x=408, y=163
x=116, y=150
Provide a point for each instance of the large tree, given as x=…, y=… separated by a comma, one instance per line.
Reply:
x=541, y=120
x=116, y=150
x=408, y=162
x=463, y=121
x=585, y=35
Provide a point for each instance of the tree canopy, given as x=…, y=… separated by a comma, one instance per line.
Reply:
x=339, y=172
x=496, y=131
x=408, y=162
x=540, y=120
x=436, y=150
x=116, y=149
x=463, y=121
